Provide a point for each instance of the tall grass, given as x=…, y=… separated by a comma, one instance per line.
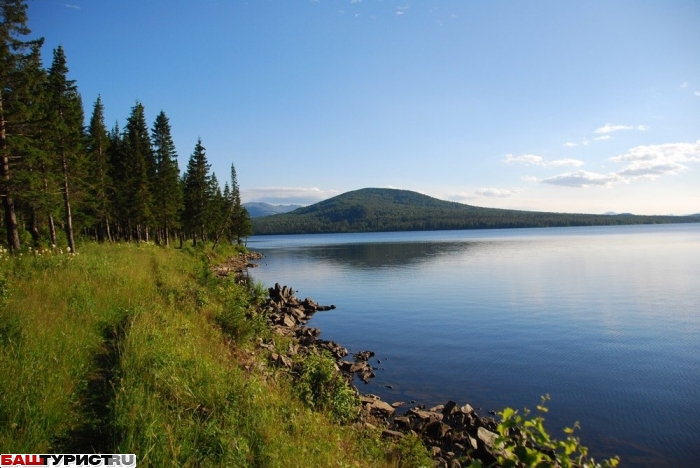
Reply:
x=137, y=349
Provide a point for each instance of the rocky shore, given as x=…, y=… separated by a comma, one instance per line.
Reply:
x=237, y=265
x=450, y=431
x=454, y=435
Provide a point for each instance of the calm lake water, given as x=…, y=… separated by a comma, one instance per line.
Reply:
x=604, y=319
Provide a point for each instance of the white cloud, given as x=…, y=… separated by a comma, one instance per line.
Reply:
x=529, y=159
x=697, y=93
x=402, y=10
x=534, y=160
x=651, y=171
x=530, y=179
x=74, y=7
x=643, y=128
x=647, y=162
x=570, y=144
x=565, y=162
x=286, y=195
x=603, y=137
x=584, y=179
x=498, y=193
x=608, y=128
x=668, y=152
x=355, y=1
x=684, y=85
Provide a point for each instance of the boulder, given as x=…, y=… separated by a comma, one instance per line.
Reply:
x=363, y=355
x=487, y=437
x=437, y=430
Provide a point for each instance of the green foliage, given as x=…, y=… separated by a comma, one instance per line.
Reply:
x=123, y=360
x=167, y=191
x=371, y=210
x=524, y=442
x=140, y=170
x=322, y=387
x=411, y=453
x=197, y=193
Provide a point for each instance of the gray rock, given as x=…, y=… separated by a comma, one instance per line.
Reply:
x=487, y=437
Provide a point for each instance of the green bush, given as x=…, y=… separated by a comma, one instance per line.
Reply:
x=321, y=387
x=524, y=442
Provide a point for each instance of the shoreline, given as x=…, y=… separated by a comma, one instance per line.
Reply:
x=450, y=432
x=452, y=435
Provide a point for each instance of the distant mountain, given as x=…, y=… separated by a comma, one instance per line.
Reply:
x=256, y=209
x=373, y=209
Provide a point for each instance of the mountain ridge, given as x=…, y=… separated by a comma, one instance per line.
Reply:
x=379, y=209
x=258, y=209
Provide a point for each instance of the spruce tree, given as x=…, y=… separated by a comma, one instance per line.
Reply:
x=118, y=194
x=65, y=131
x=34, y=181
x=197, y=189
x=140, y=170
x=239, y=218
x=14, y=50
x=97, y=149
x=167, y=191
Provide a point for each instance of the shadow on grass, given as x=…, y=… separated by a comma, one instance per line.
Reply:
x=97, y=434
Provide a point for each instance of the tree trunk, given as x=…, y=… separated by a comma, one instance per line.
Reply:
x=34, y=228
x=66, y=204
x=7, y=201
x=52, y=230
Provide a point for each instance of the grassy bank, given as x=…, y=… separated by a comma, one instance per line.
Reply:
x=139, y=349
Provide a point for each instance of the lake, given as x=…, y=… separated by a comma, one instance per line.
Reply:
x=606, y=320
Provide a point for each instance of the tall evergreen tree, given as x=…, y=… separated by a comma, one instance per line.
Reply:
x=65, y=119
x=14, y=50
x=240, y=219
x=167, y=193
x=139, y=171
x=97, y=149
x=118, y=194
x=197, y=189
x=34, y=181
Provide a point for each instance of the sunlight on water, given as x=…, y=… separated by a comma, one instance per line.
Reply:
x=603, y=319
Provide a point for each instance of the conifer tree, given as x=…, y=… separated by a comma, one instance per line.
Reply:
x=140, y=170
x=65, y=124
x=216, y=212
x=240, y=222
x=34, y=182
x=118, y=194
x=97, y=149
x=167, y=193
x=14, y=50
x=197, y=185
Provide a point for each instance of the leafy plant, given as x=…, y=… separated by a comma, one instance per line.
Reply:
x=321, y=387
x=524, y=442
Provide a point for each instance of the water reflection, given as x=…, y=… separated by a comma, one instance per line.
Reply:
x=605, y=320
x=378, y=255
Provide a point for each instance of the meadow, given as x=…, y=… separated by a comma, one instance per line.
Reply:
x=121, y=349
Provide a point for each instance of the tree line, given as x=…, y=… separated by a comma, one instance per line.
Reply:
x=60, y=179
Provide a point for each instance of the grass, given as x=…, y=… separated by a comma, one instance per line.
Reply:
x=136, y=349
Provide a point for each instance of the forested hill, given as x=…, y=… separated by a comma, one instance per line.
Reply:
x=374, y=209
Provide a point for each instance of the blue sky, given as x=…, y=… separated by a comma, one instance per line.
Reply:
x=541, y=105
